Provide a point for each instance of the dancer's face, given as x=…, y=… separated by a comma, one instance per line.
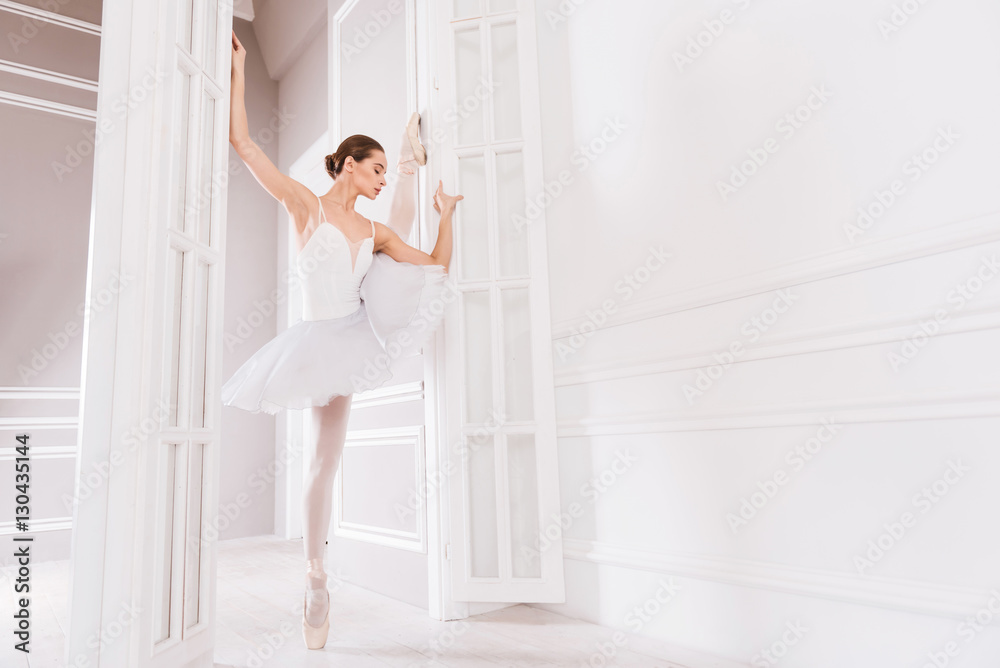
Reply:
x=369, y=174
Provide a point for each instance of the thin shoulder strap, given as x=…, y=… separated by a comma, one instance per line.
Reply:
x=322, y=216
x=373, y=228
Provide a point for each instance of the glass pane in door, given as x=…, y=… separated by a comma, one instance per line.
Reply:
x=182, y=123
x=467, y=8
x=497, y=6
x=478, y=330
x=506, y=82
x=481, y=478
x=185, y=14
x=199, y=345
x=193, y=537
x=206, y=180
x=165, y=542
x=473, y=231
x=175, y=290
x=212, y=10
x=469, y=90
x=513, y=217
x=522, y=484
x=517, y=369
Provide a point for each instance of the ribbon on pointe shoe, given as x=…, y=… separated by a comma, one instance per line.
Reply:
x=315, y=566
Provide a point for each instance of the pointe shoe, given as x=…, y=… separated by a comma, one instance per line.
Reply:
x=315, y=636
x=416, y=149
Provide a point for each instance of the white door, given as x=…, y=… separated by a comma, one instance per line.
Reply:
x=378, y=534
x=143, y=571
x=500, y=457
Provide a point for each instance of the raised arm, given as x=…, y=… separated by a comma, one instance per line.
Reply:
x=282, y=187
x=387, y=241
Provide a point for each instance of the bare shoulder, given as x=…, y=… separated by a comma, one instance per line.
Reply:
x=385, y=237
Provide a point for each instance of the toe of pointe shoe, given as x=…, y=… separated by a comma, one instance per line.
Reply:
x=413, y=134
x=413, y=125
x=315, y=636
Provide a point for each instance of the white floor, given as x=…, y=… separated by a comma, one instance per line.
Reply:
x=261, y=583
x=259, y=612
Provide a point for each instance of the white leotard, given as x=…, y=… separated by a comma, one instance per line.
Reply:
x=331, y=267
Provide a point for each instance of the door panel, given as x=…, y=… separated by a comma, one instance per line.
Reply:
x=500, y=406
x=190, y=316
x=144, y=557
x=378, y=534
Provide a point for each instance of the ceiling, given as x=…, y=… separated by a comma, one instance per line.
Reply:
x=284, y=28
x=243, y=9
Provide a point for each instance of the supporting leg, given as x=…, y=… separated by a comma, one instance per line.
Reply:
x=323, y=454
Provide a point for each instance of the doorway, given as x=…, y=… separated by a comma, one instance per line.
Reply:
x=146, y=531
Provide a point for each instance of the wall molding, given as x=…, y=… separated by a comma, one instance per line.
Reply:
x=15, y=392
x=39, y=104
x=32, y=423
x=869, y=254
x=50, y=17
x=37, y=452
x=37, y=526
x=890, y=593
x=389, y=394
x=406, y=437
x=42, y=74
x=821, y=339
x=928, y=406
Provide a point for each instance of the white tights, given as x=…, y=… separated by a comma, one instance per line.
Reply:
x=403, y=208
x=328, y=423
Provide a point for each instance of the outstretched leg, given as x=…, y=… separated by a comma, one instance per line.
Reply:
x=322, y=455
x=403, y=208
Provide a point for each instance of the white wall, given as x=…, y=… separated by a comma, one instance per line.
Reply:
x=302, y=96
x=670, y=134
x=284, y=117
x=246, y=492
x=46, y=174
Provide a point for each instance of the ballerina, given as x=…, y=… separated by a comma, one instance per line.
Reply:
x=365, y=295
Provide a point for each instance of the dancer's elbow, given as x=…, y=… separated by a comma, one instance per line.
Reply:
x=434, y=259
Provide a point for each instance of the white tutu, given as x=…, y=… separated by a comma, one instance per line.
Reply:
x=315, y=360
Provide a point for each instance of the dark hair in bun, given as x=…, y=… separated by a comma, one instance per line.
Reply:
x=358, y=147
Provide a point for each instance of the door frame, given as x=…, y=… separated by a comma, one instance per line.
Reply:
x=124, y=427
